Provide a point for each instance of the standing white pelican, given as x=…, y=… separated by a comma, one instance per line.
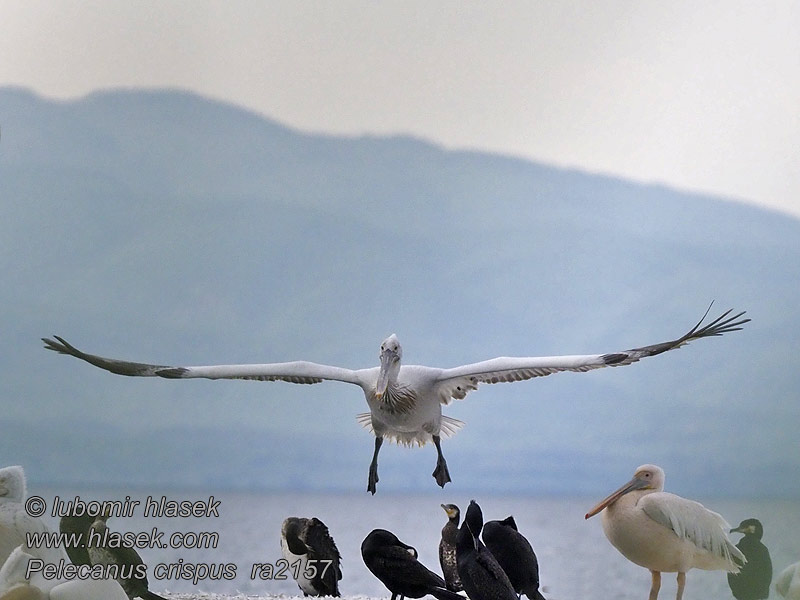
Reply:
x=405, y=401
x=788, y=582
x=664, y=532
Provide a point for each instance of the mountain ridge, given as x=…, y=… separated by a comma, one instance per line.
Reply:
x=191, y=231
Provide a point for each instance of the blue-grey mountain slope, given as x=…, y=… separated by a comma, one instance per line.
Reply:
x=163, y=227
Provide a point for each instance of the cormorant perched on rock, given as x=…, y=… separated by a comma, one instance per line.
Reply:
x=309, y=541
x=396, y=565
x=132, y=574
x=78, y=529
x=515, y=555
x=753, y=579
x=447, y=548
x=482, y=576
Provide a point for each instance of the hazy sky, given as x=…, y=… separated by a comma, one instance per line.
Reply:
x=698, y=95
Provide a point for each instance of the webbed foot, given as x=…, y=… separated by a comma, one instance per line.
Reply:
x=440, y=473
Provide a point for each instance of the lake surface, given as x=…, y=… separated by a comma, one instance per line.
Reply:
x=576, y=561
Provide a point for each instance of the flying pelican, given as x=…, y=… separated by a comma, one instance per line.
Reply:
x=405, y=401
x=664, y=532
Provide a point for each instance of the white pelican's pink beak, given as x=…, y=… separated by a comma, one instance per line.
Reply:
x=637, y=483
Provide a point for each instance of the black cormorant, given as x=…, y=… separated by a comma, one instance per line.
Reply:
x=447, y=548
x=753, y=579
x=396, y=565
x=515, y=554
x=132, y=573
x=77, y=529
x=309, y=541
x=482, y=576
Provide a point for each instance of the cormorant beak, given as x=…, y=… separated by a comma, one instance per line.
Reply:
x=632, y=485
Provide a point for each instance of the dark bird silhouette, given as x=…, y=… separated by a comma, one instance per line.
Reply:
x=482, y=576
x=309, y=541
x=396, y=565
x=753, y=579
x=514, y=553
x=104, y=549
x=447, y=548
x=77, y=528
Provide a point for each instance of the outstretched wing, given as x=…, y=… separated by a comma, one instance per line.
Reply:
x=293, y=372
x=458, y=381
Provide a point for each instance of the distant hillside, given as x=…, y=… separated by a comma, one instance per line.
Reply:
x=164, y=227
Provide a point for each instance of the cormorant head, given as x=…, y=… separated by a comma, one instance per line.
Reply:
x=751, y=527
x=474, y=520
x=453, y=513
x=380, y=538
x=510, y=522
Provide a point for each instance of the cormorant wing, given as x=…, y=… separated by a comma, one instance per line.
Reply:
x=485, y=558
x=395, y=562
x=457, y=382
x=320, y=544
x=293, y=372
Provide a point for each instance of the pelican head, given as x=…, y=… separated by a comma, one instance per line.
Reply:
x=391, y=354
x=647, y=477
x=12, y=484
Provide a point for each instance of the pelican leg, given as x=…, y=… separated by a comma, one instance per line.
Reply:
x=681, y=585
x=656, y=585
x=373, y=466
x=440, y=473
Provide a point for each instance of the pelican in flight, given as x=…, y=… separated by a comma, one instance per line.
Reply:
x=664, y=532
x=405, y=402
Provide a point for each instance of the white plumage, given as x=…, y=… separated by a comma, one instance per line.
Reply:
x=664, y=532
x=788, y=582
x=15, y=522
x=14, y=585
x=405, y=401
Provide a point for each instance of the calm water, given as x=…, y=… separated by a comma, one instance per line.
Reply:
x=576, y=561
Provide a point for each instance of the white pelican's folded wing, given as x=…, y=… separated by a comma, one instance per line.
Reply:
x=693, y=521
x=293, y=372
x=458, y=381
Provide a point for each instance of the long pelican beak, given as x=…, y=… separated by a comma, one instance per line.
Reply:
x=633, y=484
x=387, y=359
